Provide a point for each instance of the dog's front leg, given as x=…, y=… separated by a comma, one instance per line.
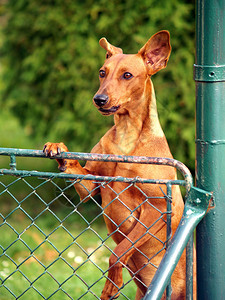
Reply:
x=70, y=166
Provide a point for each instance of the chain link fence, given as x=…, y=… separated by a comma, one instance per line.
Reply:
x=54, y=246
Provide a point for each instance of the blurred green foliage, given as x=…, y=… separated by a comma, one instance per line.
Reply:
x=50, y=58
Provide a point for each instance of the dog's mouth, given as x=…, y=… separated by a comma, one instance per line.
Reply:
x=109, y=111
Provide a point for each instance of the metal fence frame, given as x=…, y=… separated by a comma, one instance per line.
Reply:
x=196, y=204
x=209, y=75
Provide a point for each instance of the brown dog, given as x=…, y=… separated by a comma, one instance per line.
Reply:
x=126, y=91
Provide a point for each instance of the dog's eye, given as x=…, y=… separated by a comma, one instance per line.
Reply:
x=127, y=75
x=101, y=73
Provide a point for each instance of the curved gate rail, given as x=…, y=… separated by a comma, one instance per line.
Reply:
x=52, y=248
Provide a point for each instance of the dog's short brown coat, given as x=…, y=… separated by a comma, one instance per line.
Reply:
x=126, y=91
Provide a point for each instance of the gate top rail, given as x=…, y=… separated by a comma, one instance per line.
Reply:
x=107, y=158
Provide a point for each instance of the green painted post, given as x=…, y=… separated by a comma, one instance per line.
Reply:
x=210, y=145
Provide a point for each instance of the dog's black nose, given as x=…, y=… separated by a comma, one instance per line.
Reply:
x=101, y=99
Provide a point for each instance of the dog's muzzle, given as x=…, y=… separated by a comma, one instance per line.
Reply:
x=101, y=99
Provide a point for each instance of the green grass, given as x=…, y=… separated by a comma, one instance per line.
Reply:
x=48, y=269
x=49, y=251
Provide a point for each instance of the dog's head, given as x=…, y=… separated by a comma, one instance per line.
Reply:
x=124, y=77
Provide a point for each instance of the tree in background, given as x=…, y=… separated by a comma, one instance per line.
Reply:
x=51, y=56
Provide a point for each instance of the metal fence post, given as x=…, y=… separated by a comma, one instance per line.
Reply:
x=210, y=145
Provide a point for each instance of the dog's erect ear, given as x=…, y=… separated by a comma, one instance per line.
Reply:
x=156, y=52
x=111, y=50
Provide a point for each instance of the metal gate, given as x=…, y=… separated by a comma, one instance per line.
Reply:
x=54, y=246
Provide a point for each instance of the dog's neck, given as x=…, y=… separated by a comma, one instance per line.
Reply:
x=139, y=124
x=155, y=127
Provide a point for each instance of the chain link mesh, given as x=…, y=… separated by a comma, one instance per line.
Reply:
x=54, y=246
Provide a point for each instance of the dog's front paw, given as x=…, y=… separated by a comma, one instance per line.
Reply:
x=53, y=149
